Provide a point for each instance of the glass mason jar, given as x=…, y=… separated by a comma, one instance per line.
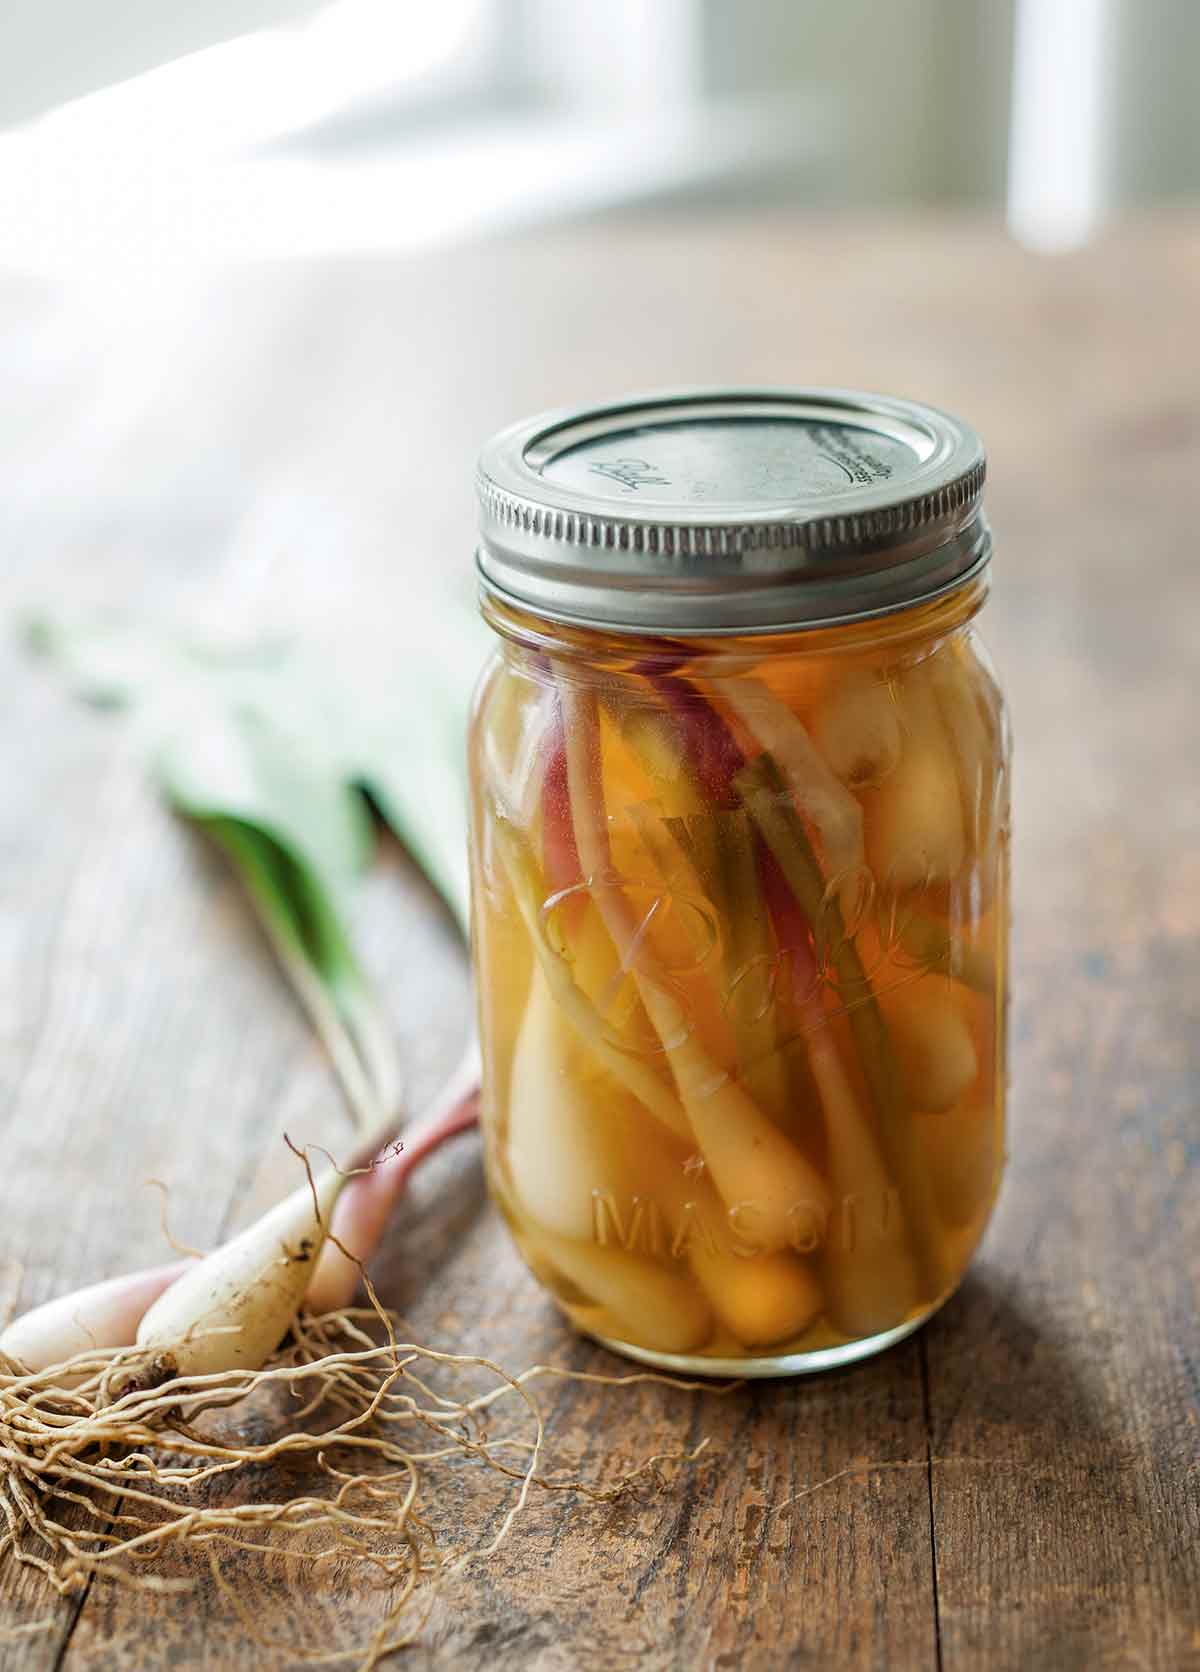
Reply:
x=740, y=861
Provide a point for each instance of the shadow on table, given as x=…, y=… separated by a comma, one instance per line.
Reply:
x=1013, y=1392
x=994, y=1374
x=1016, y=1375
x=997, y=1375
x=1040, y=1467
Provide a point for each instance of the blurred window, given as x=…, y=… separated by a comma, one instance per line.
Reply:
x=140, y=139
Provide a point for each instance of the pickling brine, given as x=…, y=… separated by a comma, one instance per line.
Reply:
x=740, y=936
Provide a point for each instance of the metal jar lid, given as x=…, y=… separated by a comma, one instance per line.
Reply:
x=710, y=511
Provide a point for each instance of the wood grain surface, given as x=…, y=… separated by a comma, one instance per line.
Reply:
x=1016, y=1487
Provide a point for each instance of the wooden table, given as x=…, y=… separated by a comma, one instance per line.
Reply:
x=1017, y=1486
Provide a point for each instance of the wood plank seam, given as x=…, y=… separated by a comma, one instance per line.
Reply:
x=926, y=1405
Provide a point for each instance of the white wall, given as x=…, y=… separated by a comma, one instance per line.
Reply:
x=919, y=88
x=1153, y=127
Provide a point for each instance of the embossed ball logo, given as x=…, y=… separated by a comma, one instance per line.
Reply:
x=677, y=936
x=630, y=473
x=685, y=936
